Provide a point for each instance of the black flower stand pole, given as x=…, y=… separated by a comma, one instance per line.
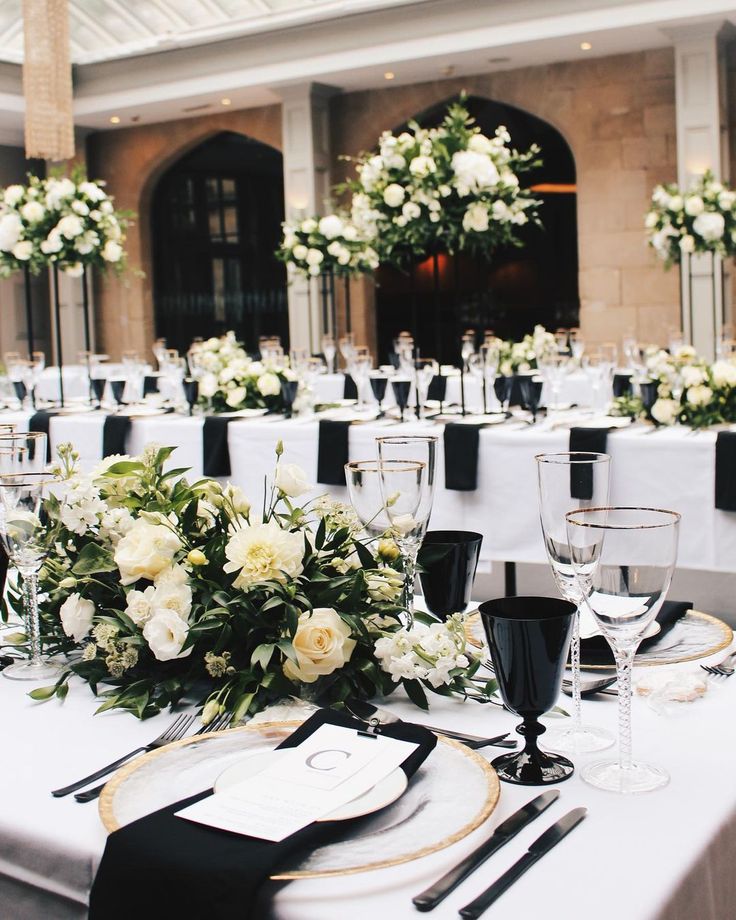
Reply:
x=437, y=307
x=57, y=331
x=85, y=307
x=29, y=310
x=348, y=321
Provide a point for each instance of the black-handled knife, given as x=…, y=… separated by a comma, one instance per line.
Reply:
x=543, y=844
x=505, y=831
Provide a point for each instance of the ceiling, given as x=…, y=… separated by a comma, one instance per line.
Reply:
x=102, y=30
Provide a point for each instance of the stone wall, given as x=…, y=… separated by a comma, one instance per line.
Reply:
x=132, y=160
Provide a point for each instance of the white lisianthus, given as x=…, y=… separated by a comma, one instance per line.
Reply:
x=33, y=212
x=11, y=228
x=112, y=251
x=403, y=524
x=709, y=225
x=236, y=498
x=724, y=374
x=79, y=207
x=675, y=203
x=264, y=552
x=13, y=194
x=309, y=225
x=70, y=226
x=393, y=195
x=23, y=250
x=476, y=218
x=166, y=633
x=726, y=200
x=699, y=395
x=173, y=597
x=235, y=397
x=330, y=226
x=300, y=252
x=693, y=376
x=269, y=384
x=76, y=615
x=145, y=551
x=92, y=190
x=314, y=257
x=479, y=143
x=687, y=243
x=139, y=605
x=422, y=166
x=694, y=205
x=323, y=643
x=665, y=411
x=291, y=480
x=384, y=584
x=52, y=243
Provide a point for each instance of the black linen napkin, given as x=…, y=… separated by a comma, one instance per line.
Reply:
x=726, y=471
x=114, y=434
x=350, y=390
x=40, y=422
x=150, y=384
x=597, y=651
x=162, y=866
x=586, y=440
x=461, y=456
x=215, y=452
x=621, y=385
x=332, y=451
x=438, y=388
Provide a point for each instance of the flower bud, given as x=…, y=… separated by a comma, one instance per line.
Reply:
x=388, y=551
x=68, y=582
x=197, y=557
x=211, y=710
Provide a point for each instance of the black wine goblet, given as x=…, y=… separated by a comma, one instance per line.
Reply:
x=98, y=389
x=502, y=387
x=530, y=388
x=288, y=394
x=378, y=386
x=529, y=639
x=401, y=388
x=648, y=390
x=448, y=560
x=117, y=388
x=191, y=392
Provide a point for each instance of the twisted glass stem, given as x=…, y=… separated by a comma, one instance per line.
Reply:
x=577, y=706
x=30, y=610
x=624, y=664
x=409, y=551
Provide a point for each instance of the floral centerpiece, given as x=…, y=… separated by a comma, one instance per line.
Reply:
x=156, y=588
x=229, y=379
x=67, y=222
x=320, y=245
x=521, y=357
x=445, y=189
x=701, y=219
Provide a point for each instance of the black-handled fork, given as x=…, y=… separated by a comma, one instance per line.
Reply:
x=176, y=730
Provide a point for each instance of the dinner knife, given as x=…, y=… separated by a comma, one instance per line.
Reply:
x=543, y=844
x=507, y=830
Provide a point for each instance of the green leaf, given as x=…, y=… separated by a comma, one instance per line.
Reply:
x=124, y=468
x=241, y=707
x=43, y=693
x=262, y=654
x=92, y=560
x=319, y=539
x=364, y=554
x=62, y=690
x=416, y=694
x=288, y=649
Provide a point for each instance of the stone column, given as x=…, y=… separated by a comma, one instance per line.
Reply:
x=702, y=143
x=306, y=147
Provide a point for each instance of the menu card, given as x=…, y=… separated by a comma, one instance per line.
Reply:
x=331, y=767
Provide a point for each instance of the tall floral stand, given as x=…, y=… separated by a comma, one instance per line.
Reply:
x=704, y=301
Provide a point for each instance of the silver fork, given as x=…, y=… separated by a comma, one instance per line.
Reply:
x=175, y=731
x=723, y=668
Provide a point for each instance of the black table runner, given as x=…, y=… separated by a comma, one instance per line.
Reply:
x=726, y=471
x=589, y=441
x=114, y=434
x=462, y=442
x=332, y=452
x=215, y=451
x=40, y=421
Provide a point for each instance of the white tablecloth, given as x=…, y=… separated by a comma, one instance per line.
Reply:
x=667, y=855
x=667, y=468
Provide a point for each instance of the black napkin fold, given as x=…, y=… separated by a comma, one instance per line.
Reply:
x=350, y=390
x=40, y=422
x=586, y=440
x=332, y=451
x=215, y=452
x=438, y=388
x=621, y=385
x=461, y=456
x=726, y=471
x=597, y=651
x=114, y=434
x=150, y=384
x=162, y=866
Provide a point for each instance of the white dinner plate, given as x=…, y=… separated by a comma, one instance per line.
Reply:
x=379, y=796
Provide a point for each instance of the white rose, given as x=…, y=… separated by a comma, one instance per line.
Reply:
x=269, y=384
x=724, y=374
x=174, y=575
x=314, y=257
x=79, y=207
x=699, y=395
x=665, y=411
x=422, y=166
x=145, y=551
x=726, y=200
x=675, y=203
x=322, y=644
x=33, y=212
x=411, y=210
x=650, y=221
x=393, y=195
x=331, y=226
x=403, y=524
x=709, y=225
x=291, y=480
x=473, y=171
x=166, y=633
x=112, y=251
x=235, y=397
x=687, y=243
x=693, y=376
x=300, y=252
x=13, y=194
x=23, y=250
x=476, y=218
x=694, y=205
x=92, y=190
x=138, y=605
x=52, y=243
x=106, y=207
x=174, y=598
x=11, y=228
x=309, y=225
x=70, y=226
x=264, y=552
x=76, y=615
x=350, y=232
x=479, y=143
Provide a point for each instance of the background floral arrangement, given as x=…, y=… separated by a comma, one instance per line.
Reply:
x=230, y=379
x=157, y=588
x=332, y=243
x=701, y=219
x=68, y=222
x=520, y=357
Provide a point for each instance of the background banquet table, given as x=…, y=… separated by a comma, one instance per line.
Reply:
x=668, y=467
x=668, y=855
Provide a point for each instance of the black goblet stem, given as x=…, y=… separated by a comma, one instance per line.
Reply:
x=462, y=385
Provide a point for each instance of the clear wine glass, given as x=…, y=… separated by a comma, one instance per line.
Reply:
x=329, y=350
x=22, y=532
x=425, y=370
x=568, y=482
x=414, y=447
x=23, y=451
x=363, y=480
x=624, y=559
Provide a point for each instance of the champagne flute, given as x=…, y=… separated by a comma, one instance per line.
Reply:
x=567, y=482
x=624, y=559
x=22, y=532
x=329, y=350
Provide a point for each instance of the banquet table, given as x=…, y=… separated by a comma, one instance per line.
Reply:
x=666, y=467
x=667, y=855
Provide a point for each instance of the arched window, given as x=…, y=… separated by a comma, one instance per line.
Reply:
x=216, y=221
x=517, y=287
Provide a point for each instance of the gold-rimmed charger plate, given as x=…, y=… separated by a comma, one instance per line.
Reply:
x=453, y=793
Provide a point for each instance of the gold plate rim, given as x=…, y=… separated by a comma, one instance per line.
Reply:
x=110, y=823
